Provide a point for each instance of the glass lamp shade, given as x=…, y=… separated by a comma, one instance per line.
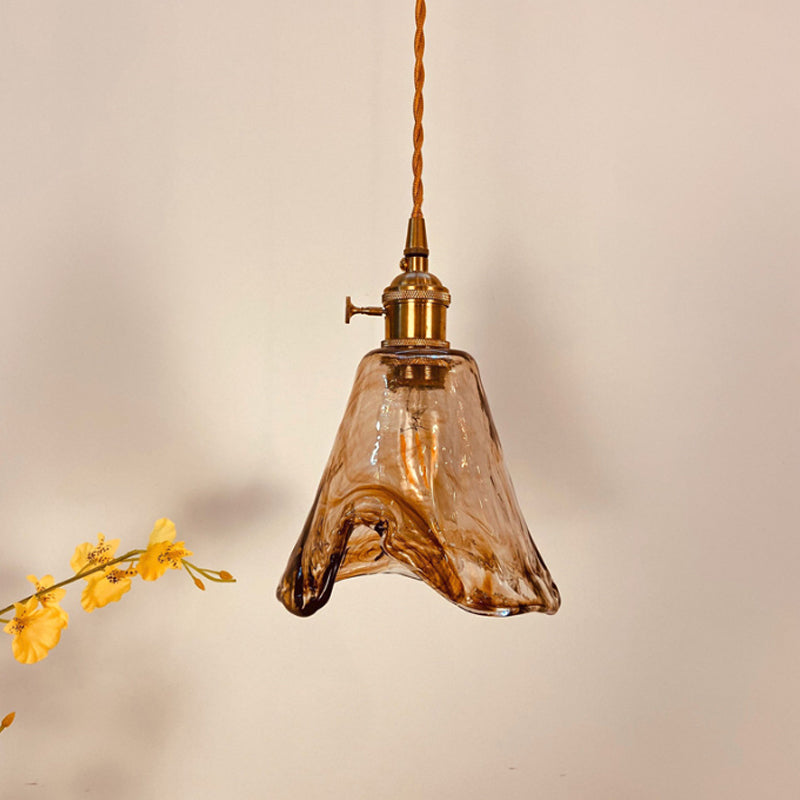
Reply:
x=416, y=485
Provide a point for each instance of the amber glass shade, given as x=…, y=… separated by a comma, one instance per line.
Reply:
x=416, y=485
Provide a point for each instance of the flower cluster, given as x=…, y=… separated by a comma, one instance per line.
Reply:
x=39, y=619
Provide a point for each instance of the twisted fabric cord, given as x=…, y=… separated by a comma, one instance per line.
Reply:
x=419, y=80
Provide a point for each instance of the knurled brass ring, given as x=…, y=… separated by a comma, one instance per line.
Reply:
x=437, y=343
x=434, y=295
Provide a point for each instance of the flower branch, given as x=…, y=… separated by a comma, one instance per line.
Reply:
x=39, y=619
x=82, y=574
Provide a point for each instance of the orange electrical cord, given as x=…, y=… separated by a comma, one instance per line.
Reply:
x=419, y=80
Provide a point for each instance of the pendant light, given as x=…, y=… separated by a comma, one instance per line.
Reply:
x=416, y=483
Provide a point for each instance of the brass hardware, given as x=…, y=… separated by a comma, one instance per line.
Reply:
x=416, y=306
x=393, y=295
x=350, y=310
x=416, y=238
x=438, y=344
x=415, y=303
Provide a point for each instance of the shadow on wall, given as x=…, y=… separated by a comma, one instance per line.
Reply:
x=231, y=507
x=88, y=372
x=135, y=707
x=97, y=390
x=531, y=389
x=97, y=421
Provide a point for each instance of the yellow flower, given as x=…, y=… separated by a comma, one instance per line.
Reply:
x=162, y=554
x=88, y=555
x=36, y=631
x=106, y=587
x=49, y=599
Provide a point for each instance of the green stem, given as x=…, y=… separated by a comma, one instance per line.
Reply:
x=189, y=568
x=206, y=573
x=77, y=576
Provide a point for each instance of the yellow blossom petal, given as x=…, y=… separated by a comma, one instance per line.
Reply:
x=43, y=583
x=36, y=631
x=158, y=558
x=49, y=599
x=93, y=555
x=106, y=587
x=163, y=531
x=161, y=553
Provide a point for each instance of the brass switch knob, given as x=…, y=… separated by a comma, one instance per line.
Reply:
x=350, y=310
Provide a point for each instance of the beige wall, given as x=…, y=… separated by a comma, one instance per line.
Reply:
x=187, y=193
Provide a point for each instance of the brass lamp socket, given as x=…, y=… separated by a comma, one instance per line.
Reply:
x=415, y=307
x=415, y=303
